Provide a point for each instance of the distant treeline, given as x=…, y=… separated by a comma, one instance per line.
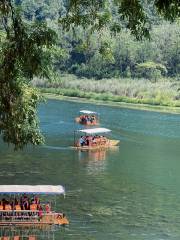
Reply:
x=103, y=55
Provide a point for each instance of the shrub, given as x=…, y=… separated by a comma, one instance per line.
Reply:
x=151, y=70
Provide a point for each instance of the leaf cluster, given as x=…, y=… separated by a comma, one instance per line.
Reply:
x=23, y=55
x=131, y=13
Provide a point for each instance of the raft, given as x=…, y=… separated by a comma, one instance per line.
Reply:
x=109, y=144
x=88, y=113
x=32, y=217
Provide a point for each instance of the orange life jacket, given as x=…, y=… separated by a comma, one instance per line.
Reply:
x=16, y=238
x=32, y=238
x=33, y=207
x=1, y=207
x=17, y=207
x=8, y=207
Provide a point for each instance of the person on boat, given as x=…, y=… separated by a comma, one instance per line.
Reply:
x=82, y=141
x=32, y=238
x=33, y=206
x=87, y=140
x=17, y=205
x=83, y=119
x=102, y=140
x=6, y=238
x=48, y=208
x=25, y=203
x=98, y=139
x=90, y=140
x=4, y=202
x=16, y=238
x=92, y=119
x=23, y=200
x=86, y=119
x=37, y=200
x=1, y=207
x=94, y=142
x=39, y=205
x=40, y=212
x=8, y=206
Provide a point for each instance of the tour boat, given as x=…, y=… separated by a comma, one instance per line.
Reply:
x=93, y=139
x=88, y=118
x=20, y=205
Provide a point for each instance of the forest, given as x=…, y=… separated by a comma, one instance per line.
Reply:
x=105, y=55
x=111, y=66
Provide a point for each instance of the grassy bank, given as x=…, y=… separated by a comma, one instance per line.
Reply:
x=165, y=92
x=147, y=107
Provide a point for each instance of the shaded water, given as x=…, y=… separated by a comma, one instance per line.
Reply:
x=128, y=193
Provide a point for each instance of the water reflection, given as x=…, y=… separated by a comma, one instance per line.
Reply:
x=95, y=160
x=19, y=238
x=26, y=233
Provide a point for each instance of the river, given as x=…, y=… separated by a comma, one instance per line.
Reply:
x=128, y=193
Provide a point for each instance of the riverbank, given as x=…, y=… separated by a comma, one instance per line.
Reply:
x=162, y=95
x=145, y=107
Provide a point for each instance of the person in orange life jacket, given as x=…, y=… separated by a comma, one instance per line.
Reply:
x=33, y=206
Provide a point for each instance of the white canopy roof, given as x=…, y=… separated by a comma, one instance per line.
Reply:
x=87, y=112
x=95, y=130
x=29, y=189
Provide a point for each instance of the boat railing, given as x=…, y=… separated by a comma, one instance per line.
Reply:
x=22, y=215
x=18, y=215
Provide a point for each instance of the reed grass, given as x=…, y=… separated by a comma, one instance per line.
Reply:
x=165, y=92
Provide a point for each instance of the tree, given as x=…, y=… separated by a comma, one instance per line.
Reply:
x=98, y=14
x=23, y=55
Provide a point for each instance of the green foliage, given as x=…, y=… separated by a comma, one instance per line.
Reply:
x=165, y=92
x=41, y=10
x=106, y=51
x=23, y=55
x=117, y=56
x=90, y=25
x=170, y=9
x=134, y=14
x=19, y=125
x=151, y=70
x=99, y=14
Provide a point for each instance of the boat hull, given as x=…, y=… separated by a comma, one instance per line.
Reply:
x=110, y=144
x=48, y=219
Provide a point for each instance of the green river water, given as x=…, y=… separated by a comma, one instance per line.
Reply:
x=128, y=193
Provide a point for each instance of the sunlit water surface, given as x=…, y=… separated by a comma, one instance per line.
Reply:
x=129, y=193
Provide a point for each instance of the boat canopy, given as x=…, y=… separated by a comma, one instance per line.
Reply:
x=32, y=189
x=87, y=112
x=95, y=130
